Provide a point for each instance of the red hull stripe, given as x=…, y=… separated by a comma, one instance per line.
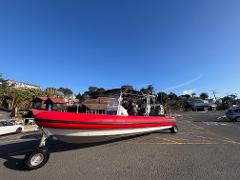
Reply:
x=65, y=120
x=80, y=122
x=100, y=126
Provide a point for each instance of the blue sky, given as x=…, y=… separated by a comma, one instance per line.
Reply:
x=175, y=45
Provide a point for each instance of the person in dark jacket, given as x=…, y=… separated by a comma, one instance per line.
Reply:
x=132, y=109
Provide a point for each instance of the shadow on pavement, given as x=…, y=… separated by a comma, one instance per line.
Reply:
x=8, y=151
x=32, y=135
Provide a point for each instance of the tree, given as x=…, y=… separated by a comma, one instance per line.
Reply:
x=185, y=96
x=17, y=98
x=94, y=92
x=194, y=95
x=50, y=91
x=92, y=89
x=172, y=96
x=149, y=90
x=100, y=91
x=162, y=98
x=85, y=96
x=144, y=90
x=79, y=97
x=233, y=96
x=229, y=100
x=3, y=91
x=127, y=87
x=1, y=78
x=3, y=84
x=65, y=91
x=204, y=96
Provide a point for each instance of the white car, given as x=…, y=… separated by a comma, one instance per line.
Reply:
x=7, y=127
x=17, y=122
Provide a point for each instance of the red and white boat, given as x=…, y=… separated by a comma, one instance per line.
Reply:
x=78, y=127
x=73, y=127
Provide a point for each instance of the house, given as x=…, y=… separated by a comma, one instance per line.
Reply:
x=39, y=102
x=71, y=100
x=96, y=106
x=49, y=103
x=56, y=104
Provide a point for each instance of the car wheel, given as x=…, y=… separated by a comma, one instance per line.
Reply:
x=36, y=159
x=19, y=130
x=174, y=129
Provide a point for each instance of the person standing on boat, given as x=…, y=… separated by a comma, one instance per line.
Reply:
x=132, y=109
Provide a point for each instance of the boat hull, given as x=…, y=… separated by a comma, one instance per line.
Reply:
x=89, y=136
x=72, y=127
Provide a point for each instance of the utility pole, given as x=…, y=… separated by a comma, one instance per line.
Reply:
x=77, y=107
x=214, y=94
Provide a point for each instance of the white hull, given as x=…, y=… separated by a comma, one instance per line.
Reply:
x=92, y=135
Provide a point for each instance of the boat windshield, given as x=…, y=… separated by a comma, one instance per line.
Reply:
x=112, y=105
x=121, y=104
x=131, y=104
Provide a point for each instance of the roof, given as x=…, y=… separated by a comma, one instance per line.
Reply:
x=99, y=100
x=96, y=106
x=90, y=101
x=57, y=100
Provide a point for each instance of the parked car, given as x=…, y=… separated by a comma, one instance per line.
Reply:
x=233, y=114
x=29, y=121
x=7, y=127
x=17, y=122
x=199, y=104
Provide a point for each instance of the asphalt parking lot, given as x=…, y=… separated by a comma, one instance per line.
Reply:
x=207, y=146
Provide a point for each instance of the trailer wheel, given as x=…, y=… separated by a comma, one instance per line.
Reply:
x=174, y=129
x=36, y=159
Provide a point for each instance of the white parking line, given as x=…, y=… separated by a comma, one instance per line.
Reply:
x=220, y=117
x=216, y=124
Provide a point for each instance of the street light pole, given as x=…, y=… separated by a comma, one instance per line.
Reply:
x=77, y=107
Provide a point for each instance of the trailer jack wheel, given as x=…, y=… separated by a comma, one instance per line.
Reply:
x=174, y=129
x=36, y=159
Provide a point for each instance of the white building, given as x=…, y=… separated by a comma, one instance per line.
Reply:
x=71, y=100
x=18, y=84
